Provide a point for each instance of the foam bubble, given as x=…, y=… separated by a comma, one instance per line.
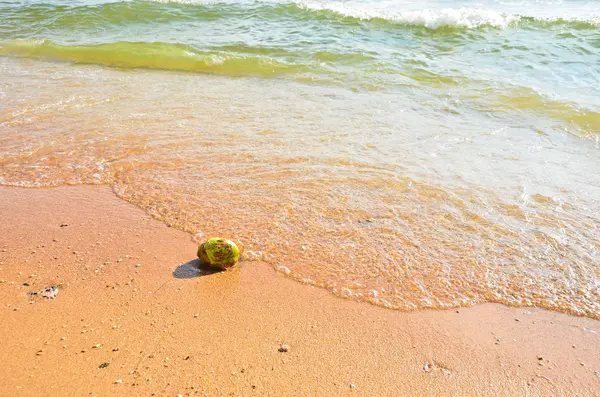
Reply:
x=430, y=18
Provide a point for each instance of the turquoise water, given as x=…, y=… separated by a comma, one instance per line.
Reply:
x=409, y=154
x=510, y=54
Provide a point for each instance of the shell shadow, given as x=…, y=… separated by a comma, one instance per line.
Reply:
x=194, y=268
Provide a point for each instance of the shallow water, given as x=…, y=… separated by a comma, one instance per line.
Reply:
x=411, y=156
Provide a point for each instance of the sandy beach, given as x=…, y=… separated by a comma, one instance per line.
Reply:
x=134, y=317
x=413, y=185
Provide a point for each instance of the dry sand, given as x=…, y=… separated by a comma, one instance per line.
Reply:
x=128, y=297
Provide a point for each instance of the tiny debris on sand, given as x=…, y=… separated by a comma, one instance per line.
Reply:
x=48, y=293
x=432, y=367
x=284, y=349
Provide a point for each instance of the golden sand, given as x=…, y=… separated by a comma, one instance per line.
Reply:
x=134, y=317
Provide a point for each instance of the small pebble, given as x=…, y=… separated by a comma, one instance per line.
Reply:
x=352, y=385
x=119, y=381
x=138, y=265
x=196, y=315
x=284, y=269
x=284, y=349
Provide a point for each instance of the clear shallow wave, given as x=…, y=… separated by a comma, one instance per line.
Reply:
x=163, y=56
x=320, y=67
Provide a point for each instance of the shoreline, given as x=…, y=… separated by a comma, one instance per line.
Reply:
x=163, y=329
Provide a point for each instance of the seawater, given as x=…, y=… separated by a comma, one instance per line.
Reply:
x=410, y=154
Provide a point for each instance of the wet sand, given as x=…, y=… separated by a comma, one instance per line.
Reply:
x=133, y=316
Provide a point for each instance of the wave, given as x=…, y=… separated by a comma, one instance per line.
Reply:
x=429, y=18
x=161, y=11
x=165, y=56
x=463, y=17
x=255, y=61
x=512, y=100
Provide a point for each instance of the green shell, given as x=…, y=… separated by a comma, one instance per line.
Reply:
x=219, y=252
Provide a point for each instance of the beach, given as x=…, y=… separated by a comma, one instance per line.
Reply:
x=133, y=316
x=413, y=187
x=405, y=154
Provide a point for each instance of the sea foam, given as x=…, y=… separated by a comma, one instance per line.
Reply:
x=430, y=18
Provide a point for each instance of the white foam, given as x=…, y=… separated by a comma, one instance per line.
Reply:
x=403, y=12
x=430, y=18
x=461, y=17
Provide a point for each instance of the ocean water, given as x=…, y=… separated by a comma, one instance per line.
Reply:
x=411, y=154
